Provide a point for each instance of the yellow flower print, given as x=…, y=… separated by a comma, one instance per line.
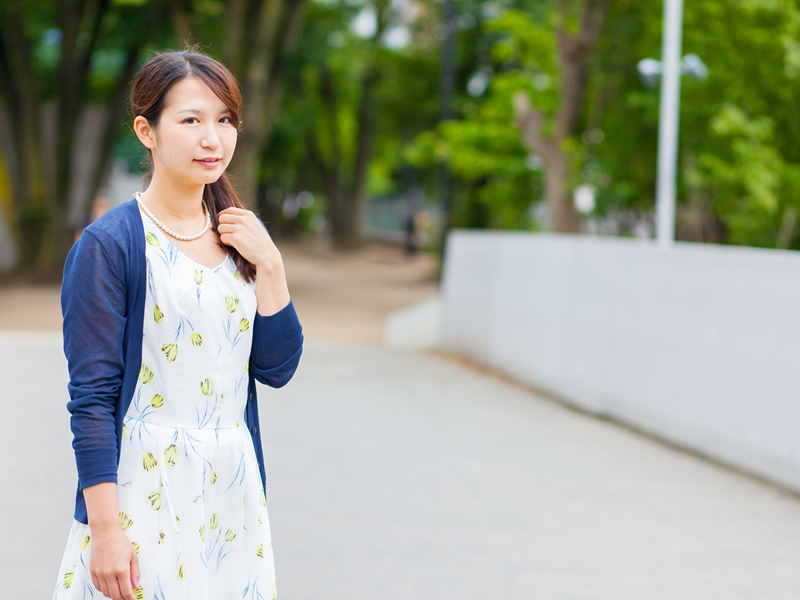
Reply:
x=180, y=571
x=231, y=302
x=238, y=277
x=155, y=500
x=177, y=519
x=136, y=547
x=213, y=478
x=203, y=533
x=262, y=498
x=244, y=325
x=247, y=365
x=161, y=536
x=197, y=339
x=152, y=239
x=274, y=591
x=149, y=461
x=138, y=593
x=158, y=315
x=171, y=455
x=146, y=374
x=125, y=520
x=260, y=551
x=230, y=535
x=198, y=276
x=214, y=521
x=157, y=401
x=170, y=351
x=86, y=541
x=68, y=579
x=207, y=387
x=259, y=518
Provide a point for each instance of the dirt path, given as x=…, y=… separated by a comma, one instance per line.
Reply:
x=340, y=298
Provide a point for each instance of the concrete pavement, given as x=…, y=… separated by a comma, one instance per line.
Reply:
x=402, y=475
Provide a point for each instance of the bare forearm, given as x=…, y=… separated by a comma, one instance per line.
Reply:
x=101, y=506
x=272, y=291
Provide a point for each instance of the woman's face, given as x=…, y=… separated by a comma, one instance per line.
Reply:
x=196, y=137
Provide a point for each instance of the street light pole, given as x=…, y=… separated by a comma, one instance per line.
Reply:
x=669, y=122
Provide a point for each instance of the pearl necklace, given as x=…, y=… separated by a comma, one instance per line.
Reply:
x=167, y=230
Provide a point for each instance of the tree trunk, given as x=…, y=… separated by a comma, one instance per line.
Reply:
x=256, y=79
x=574, y=52
x=561, y=213
x=347, y=214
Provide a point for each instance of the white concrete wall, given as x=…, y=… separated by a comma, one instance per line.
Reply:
x=699, y=344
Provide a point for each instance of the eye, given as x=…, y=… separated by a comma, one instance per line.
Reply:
x=190, y=119
x=226, y=119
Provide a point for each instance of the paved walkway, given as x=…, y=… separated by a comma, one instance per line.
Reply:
x=397, y=475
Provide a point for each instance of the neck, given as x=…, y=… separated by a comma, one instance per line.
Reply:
x=174, y=199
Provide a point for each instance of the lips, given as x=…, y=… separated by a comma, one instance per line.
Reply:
x=209, y=161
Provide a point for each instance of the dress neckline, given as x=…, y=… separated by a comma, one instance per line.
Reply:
x=213, y=269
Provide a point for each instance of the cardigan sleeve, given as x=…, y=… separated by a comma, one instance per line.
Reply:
x=93, y=303
x=277, y=346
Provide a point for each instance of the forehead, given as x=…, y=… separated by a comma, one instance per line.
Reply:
x=191, y=93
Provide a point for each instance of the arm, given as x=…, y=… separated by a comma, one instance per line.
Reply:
x=93, y=299
x=277, y=334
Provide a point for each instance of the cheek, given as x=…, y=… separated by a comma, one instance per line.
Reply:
x=229, y=142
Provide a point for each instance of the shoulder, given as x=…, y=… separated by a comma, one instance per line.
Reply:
x=118, y=235
x=119, y=229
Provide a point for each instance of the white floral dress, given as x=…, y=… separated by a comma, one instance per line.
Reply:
x=189, y=487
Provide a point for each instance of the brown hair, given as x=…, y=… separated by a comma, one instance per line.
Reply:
x=148, y=99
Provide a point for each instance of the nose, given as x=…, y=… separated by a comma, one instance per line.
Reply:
x=211, y=138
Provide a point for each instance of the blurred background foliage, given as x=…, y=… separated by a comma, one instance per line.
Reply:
x=345, y=111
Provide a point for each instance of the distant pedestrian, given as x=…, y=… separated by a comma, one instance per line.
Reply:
x=410, y=227
x=175, y=304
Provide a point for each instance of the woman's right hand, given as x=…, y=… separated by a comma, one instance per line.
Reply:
x=114, y=564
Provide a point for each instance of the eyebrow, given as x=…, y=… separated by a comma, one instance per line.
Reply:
x=200, y=112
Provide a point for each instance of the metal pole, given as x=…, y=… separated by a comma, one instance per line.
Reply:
x=669, y=122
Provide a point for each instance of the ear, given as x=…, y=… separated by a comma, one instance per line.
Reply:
x=144, y=132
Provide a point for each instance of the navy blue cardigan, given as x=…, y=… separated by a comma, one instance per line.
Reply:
x=102, y=301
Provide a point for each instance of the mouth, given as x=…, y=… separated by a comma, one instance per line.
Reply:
x=209, y=162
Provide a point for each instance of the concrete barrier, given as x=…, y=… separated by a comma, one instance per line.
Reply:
x=699, y=344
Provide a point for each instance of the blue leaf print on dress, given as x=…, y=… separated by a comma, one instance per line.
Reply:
x=239, y=475
x=207, y=415
x=181, y=330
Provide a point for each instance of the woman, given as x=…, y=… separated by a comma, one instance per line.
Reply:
x=175, y=304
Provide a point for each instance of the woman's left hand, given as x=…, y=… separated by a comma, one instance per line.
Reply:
x=241, y=229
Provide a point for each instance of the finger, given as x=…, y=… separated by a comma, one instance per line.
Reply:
x=233, y=213
x=226, y=228
x=96, y=582
x=113, y=590
x=226, y=238
x=125, y=590
x=229, y=217
x=104, y=587
x=135, y=572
